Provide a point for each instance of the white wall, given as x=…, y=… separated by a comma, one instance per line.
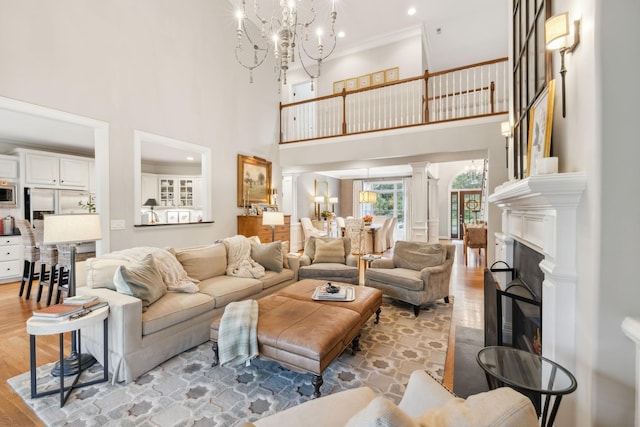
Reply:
x=405, y=54
x=149, y=65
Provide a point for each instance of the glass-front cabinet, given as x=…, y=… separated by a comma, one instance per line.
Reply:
x=167, y=191
x=180, y=191
x=186, y=191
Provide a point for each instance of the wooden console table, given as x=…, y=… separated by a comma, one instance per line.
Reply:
x=251, y=225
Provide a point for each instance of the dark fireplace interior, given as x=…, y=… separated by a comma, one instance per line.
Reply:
x=521, y=300
x=522, y=297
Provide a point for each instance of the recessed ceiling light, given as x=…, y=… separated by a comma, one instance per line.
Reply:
x=190, y=158
x=341, y=34
x=411, y=11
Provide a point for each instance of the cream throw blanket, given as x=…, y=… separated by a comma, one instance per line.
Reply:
x=238, y=333
x=239, y=262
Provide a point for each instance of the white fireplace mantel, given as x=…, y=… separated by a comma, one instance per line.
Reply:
x=540, y=212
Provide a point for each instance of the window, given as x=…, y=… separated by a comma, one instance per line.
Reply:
x=390, y=200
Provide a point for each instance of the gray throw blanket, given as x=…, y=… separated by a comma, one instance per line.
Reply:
x=238, y=333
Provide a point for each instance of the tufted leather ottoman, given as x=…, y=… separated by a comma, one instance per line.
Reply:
x=301, y=335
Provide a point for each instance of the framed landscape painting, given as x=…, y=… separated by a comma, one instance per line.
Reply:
x=254, y=180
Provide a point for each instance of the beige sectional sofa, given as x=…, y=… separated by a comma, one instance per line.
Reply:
x=142, y=335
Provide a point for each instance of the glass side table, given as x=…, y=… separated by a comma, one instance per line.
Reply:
x=527, y=372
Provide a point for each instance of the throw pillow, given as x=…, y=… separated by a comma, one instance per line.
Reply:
x=100, y=272
x=142, y=280
x=329, y=251
x=285, y=252
x=268, y=255
x=380, y=412
x=418, y=255
x=203, y=262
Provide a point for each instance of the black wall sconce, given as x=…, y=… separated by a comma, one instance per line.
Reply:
x=556, y=37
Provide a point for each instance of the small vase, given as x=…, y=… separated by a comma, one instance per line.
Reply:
x=367, y=223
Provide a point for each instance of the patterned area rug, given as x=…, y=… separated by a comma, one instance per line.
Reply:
x=187, y=391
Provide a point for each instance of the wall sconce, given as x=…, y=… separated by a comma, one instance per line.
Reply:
x=333, y=201
x=556, y=37
x=318, y=201
x=505, y=129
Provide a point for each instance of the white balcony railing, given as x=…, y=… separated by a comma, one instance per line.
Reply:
x=465, y=92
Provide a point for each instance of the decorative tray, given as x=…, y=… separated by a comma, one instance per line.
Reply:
x=320, y=294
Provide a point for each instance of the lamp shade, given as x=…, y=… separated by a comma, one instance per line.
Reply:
x=272, y=218
x=151, y=202
x=71, y=228
x=319, y=199
x=556, y=30
x=333, y=200
x=368, y=197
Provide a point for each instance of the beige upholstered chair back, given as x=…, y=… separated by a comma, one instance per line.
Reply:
x=476, y=236
x=309, y=230
x=390, y=231
x=354, y=229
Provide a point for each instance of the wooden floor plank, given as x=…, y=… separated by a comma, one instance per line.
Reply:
x=466, y=287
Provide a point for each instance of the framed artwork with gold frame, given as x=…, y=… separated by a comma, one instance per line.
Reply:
x=392, y=74
x=351, y=84
x=364, y=81
x=338, y=86
x=254, y=180
x=540, y=126
x=377, y=78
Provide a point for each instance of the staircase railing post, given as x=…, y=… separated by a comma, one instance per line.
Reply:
x=344, y=111
x=425, y=100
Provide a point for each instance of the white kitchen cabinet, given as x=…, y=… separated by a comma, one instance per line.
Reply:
x=56, y=171
x=10, y=258
x=8, y=167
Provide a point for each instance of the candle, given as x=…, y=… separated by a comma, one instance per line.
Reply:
x=333, y=5
x=239, y=16
x=319, y=32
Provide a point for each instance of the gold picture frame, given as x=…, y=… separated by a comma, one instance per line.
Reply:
x=351, y=84
x=254, y=180
x=392, y=74
x=540, y=127
x=338, y=86
x=364, y=81
x=377, y=78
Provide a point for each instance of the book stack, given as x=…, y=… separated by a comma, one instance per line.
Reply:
x=71, y=308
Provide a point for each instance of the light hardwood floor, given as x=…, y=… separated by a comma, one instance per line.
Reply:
x=466, y=287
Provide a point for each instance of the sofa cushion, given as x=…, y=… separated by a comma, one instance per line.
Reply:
x=268, y=255
x=174, y=308
x=203, y=262
x=142, y=280
x=398, y=277
x=226, y=289
x=329, y=251
x=100, y=272
x=271, y=278
x=380, y=412
x=418, y=255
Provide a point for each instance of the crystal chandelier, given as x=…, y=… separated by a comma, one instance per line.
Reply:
x=287, y=33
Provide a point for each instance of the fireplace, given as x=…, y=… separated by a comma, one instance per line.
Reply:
x=513, y=315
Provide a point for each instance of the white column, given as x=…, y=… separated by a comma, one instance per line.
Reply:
x=419, y=202
x=433, y=219
x=631, y=328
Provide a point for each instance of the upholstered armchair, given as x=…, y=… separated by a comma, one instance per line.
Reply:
x=329, y=259
x=418, y=273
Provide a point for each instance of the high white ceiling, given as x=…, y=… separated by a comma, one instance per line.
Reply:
x=458, y=32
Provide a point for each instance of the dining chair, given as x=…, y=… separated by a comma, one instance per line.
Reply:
x=48, y=264
x=31, y=255
x=354, y=229
x=381, y=236
x=475, y=237
x=341, y=226
x=391, y=231
x=309, y=230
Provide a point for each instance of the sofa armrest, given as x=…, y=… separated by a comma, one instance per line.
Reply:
x=351, y=261
x=125, y=321
x=294, y=264
x=382, y=263
x=423, y=392
x=305, y=260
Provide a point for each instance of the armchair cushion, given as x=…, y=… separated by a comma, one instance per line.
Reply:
x=329, y=251
x=417, y=255
x=402, y=277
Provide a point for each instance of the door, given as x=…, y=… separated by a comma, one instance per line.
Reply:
x=465, y=206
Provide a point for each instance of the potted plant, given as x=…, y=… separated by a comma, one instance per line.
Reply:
x=367, y=219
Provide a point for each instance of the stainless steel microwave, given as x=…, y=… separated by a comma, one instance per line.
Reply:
x=8, y=195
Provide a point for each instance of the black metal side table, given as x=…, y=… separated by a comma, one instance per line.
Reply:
x=527, y=372
x=37, y=326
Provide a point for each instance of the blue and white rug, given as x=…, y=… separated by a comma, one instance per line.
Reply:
x=187, y=391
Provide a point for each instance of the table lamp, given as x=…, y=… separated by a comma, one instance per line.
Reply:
x=154, y=216
x=272, y=219
x=72, y=229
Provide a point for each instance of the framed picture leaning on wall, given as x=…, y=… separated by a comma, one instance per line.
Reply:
x=254, y=180
x=540, y=127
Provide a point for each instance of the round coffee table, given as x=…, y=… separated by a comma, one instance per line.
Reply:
x=527, y=372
